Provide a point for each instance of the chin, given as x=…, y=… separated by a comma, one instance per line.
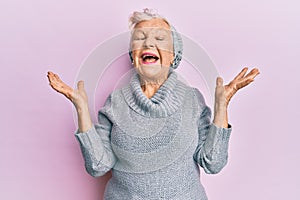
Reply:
x=153, y=72
x=150, y=73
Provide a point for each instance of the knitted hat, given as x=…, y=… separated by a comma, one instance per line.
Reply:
x=177, y=48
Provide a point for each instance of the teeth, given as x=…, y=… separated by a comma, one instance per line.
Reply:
x=148, y=55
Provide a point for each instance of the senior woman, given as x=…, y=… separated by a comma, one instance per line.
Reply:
x=155, y=131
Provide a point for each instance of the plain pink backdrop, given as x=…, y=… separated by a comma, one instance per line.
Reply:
x=40, y=157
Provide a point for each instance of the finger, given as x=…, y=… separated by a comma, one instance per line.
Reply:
x=63, y=89
x=244, y=83
x=57, y=77
x=255, y=70
x=49, y=74
x=58, y=81
x=53, y=80
x=219, y=82
x=51, y=77
x=242, y=73
x=253, y=73
x=80, y=85
x=56, y=86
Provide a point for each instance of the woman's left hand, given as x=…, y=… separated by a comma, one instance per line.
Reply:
x=224, y=93
x=240, y=81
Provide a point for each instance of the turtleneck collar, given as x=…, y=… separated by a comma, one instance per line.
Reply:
x=163, y=103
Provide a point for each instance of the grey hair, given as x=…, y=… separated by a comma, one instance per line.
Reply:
x=149, y=14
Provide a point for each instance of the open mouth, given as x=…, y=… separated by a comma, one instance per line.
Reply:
x=149, y=58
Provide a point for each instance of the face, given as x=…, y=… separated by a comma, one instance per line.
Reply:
x=152, y=48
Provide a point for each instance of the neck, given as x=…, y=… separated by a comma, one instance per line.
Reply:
x=150, y=89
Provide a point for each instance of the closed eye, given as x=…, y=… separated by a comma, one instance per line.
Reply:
x=139, y=35
x=139, y=38
x=160, y=38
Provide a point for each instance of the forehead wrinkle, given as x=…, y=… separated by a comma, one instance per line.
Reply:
x=155, y=22
x=151, y=29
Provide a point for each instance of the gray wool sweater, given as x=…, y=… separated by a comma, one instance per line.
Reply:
x=154, y=146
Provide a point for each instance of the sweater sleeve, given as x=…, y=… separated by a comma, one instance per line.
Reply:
x=95, y=144
x=212, y=150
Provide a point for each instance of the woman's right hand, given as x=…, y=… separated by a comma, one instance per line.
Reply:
x=77, y=96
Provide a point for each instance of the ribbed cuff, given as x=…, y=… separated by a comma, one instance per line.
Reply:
x=224, y=133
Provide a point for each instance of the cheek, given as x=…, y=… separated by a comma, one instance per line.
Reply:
x=167, y=57
x=136, y=45
x=167, y=45
x=135, y=57
x=166, y=52
x=135, y=51
x=166, y=48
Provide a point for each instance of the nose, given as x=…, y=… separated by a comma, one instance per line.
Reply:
x=149, y=42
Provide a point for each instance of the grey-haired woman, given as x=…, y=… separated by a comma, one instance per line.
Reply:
x=156, y=131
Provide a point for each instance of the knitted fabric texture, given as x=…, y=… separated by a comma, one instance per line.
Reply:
x=154, y=146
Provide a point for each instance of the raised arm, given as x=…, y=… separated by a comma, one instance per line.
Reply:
x=94, y=139
x=212, y=149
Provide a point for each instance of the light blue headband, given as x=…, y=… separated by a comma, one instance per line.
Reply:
x=177, y=48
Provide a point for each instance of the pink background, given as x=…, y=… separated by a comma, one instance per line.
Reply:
x=40, y=157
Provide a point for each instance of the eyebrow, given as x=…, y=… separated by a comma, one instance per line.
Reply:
x=138, y=31
x=141, y=30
